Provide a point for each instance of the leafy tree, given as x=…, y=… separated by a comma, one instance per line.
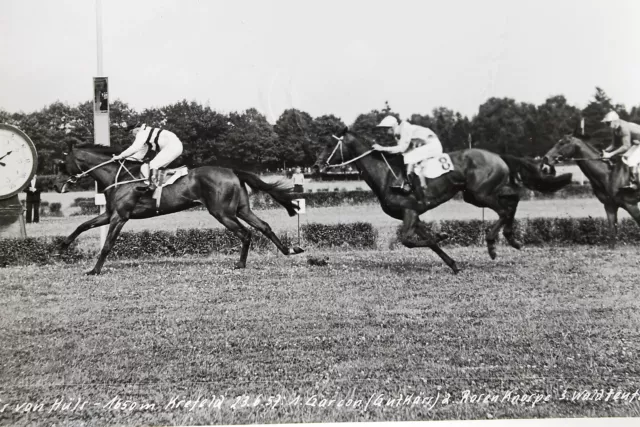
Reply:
x=248, y=143
x=295, y=130
x=324, y=126
x=555, y=119
x=504, y=126
x=199, y=128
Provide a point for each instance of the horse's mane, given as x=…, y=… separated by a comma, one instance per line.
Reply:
x=395, y=159
x=100, y=149
x=585, y=140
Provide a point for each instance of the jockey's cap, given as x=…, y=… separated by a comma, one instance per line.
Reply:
x=388, y=122
x=131, y=125
x=610, y=117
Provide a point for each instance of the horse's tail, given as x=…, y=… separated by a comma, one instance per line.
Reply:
x=528, y=172
x=278, y=190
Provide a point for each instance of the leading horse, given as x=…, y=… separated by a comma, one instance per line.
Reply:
x=486, y=180
x=223, y=192
x=607, y=177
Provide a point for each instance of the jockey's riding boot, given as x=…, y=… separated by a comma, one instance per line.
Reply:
x=153, y=180
x=419, y=189
x=401, y=185
x=635, y=178
x=633, y=182
x=149, y=182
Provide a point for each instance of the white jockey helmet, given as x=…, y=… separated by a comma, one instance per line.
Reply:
x=611, y=116
x=388, y=122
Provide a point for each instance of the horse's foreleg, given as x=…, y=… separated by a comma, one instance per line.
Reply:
x=612, y=218
x=634, y=211
x=252, y=219
x=115, y=226
x=98, y=221
x=414, y=235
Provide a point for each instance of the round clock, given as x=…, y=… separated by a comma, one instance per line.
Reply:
x=18, y=160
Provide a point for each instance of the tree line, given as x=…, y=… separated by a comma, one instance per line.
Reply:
x=247, y=140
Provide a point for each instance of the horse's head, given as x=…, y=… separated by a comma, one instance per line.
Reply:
x=331, y=151
x=66, y=168
x=566, y=148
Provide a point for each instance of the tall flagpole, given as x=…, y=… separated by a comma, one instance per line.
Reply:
x=100, y=111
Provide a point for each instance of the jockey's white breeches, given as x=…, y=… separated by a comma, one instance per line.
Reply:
x=168, y=154
x=431, y=148
x=632, y=156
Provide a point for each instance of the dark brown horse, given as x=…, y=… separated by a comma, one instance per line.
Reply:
x=607, y=177
x=486, y=180
x=221, y=190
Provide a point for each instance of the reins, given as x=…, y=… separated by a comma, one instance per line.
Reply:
x=76, y=177
x=339, y=144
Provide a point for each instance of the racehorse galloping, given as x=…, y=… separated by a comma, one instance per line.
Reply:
x=221, y=190
x=486, y=179
x=606, y=180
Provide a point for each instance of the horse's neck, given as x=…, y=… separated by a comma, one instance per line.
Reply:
x=104, y=175
x=596, y=171
x=370, y=166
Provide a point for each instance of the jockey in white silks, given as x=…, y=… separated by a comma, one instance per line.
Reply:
x=626, y=139
x=416, y=143
x=164, y=143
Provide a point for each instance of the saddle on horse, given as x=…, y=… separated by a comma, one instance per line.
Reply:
x=163, y=178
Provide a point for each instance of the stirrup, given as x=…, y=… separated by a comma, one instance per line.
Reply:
x=403, y=189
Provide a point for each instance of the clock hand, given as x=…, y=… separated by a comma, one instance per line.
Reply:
x=2, y=164
x=5, y=156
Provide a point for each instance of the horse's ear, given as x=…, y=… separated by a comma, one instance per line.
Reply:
x=577, y=131
x=343, y=131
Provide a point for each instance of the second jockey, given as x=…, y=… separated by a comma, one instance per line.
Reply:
x=626, y=141
x=164, y=143
x=416, y=143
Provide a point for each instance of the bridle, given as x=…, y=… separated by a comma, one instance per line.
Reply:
x=73, y=179
x=339, y=144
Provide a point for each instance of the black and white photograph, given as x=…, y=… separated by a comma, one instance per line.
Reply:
x=287, y=212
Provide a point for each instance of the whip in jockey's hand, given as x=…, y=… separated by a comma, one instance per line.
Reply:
x=149, y=140
x=626, y=136
x=416, y=143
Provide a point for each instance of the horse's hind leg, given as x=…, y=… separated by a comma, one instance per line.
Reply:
x=492, y=202
x=233, y=225
x=252, y=219
x=511, y=204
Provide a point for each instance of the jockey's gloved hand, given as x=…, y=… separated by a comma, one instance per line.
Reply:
x=116, y=157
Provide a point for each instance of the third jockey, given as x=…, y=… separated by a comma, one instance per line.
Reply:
x=626, y=140
x=416, y=143
x=148, y=140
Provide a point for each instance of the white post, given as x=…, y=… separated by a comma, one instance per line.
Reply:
x=100, y=116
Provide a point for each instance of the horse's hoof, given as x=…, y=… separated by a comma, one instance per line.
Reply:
x=515, y=244
x=455, y=269
x=238, y=265
x=492, y=253
x=295, y=250
x=93, y=272
x=441, y=236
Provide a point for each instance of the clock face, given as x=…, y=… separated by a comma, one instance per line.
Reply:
x=18, y=160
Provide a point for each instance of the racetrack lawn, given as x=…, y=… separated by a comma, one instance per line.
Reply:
x=395, y=322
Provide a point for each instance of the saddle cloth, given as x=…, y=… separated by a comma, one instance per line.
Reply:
x=434, y=167
x=167, y=177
